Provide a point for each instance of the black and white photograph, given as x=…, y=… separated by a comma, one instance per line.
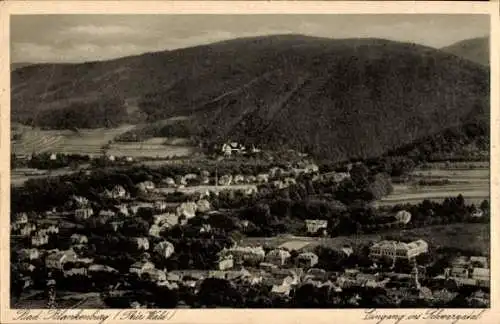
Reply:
x=189, y=161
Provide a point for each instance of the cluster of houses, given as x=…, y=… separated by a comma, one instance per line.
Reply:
x=39, y=235
x=470, y=271
x=251, y=265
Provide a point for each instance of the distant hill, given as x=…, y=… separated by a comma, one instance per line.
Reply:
x=333, y=98
x=476, y=50
x=15, y=66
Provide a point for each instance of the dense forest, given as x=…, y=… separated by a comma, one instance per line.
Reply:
x=105, y=112
x=336, y=99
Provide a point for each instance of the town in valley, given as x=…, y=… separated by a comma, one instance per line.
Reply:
x=255, y=172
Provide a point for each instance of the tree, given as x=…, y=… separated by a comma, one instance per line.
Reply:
x=219, y=292
x=359, y=175
x=485, y=206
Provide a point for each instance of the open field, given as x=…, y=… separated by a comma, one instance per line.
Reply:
x=477, y=237
x=85, y=141
x=91, y=142
x=18, y=176
x=151, y=148
x=473, y=184
x=460, y=165
x=203, y=189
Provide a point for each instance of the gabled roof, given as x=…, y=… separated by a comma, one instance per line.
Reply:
x=481, y=272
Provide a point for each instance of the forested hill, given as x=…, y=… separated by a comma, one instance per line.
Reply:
x=334, y=98
x=475, y=49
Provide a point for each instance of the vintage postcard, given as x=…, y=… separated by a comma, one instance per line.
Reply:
x=241, y=162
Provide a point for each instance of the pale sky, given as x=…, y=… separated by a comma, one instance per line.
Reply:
x=79, y=38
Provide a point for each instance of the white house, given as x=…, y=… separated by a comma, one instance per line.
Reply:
x=169, y=182
x=155, y=230
x=52, y=229
x=140, y=267
x=226, y=180
x=203, y=206
x=155, y=275
x=205, y=228
x=403, y=217
x=166, y=220
x=160, y=206
x=307, y=259
x=146, y=186
x=29, y=254
x=118, y=192
x=58, y=259
x=27, y=229
x=187, y=209
x=245, y=254
x=116, y=225
x=278, y=257
x=482, y=261
x=79, y=239
x=226, y=263
x=134, y=208
x=39, y=239
x=232, y=148
x=314, y=225
x=142, y=243
x=281, y=290
x=21, y=218
x=477, y=213
x=251, y=179
x=101, y=268
x=83, y=213
x=27, y=267
x=123, y=210
x=262, y=178
x=238, y=179
x=480, y=274
x=75, y=272
x=80, y=202
x=107, y=213
x=165, y=249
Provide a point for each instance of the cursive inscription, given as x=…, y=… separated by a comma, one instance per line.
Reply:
x=95, y=316
x=441, y=315
x=145, y=315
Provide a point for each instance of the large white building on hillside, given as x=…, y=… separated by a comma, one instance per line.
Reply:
x=398, y=250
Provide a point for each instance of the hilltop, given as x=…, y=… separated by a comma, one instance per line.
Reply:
x=333, y=98
x=15, y=66
x=475, y=49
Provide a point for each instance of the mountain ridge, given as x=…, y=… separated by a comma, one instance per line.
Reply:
x=308, y=93
x=474, y=49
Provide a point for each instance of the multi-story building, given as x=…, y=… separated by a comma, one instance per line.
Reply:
x=83, y=213
x=314, y=225
x=58, y=259
x=398, y=250
x=278, y=257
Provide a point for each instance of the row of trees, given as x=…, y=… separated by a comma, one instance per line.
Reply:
x=214, y=292
x=44, y=161
x=461, y=143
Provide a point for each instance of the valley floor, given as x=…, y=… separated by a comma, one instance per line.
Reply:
x=473, y=184
x=477, y=236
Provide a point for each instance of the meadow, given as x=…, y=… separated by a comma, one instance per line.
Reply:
x=93, y=141
x=472, y=183
x=476, y=235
